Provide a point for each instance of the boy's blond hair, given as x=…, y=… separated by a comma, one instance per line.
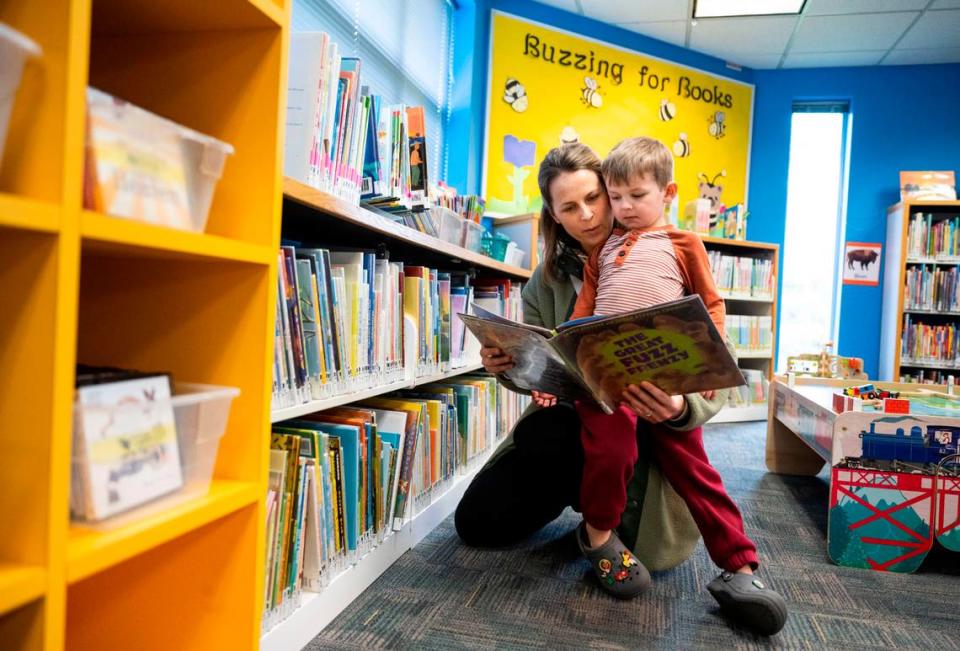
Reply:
x=634, y=157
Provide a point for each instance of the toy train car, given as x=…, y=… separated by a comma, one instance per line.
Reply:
x=916, y=451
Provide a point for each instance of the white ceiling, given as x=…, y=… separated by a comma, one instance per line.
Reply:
x=827, y=33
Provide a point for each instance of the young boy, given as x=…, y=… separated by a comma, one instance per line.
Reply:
x=644, y=263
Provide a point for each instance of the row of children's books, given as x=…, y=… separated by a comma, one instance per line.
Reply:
x=750, y=333
x=929, y=343
x=932, y=288
x=753, y=392
x=927, y=238
x=344, y=479
x=349, y=320
x=468, y=206
x=742, y=276
x=341, y=138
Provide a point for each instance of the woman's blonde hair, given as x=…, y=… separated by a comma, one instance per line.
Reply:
x=564, y=159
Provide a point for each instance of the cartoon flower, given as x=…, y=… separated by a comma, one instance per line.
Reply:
x=520, y=153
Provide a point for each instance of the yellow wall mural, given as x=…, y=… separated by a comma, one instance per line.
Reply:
x=549, y=86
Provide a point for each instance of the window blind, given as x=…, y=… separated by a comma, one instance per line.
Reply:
x=821, y=106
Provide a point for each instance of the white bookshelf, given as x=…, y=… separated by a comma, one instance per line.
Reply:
x=318, y=609
x=321, y=217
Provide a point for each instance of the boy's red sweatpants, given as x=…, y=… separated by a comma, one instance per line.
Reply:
x=609, y=455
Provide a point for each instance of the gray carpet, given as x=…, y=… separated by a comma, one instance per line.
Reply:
x=443, y=595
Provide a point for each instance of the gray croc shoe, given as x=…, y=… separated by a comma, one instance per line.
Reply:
x=744, y=598
x=617, y=569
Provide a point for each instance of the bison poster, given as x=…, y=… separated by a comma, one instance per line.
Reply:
x=861, y=264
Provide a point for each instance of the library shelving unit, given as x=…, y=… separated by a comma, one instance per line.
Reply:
x=81, y=286
x=318, y=217
x=752, y=306
x=896, y=263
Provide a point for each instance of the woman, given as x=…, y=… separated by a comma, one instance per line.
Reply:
x=536, y=472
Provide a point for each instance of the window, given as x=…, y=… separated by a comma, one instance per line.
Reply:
x=816, y=185
x=406, y=47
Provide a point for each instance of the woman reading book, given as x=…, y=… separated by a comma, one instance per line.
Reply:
x=536, y=472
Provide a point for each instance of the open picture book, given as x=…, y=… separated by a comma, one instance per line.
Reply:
x=673, y=345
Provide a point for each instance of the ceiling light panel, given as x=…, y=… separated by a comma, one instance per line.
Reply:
x=723, y=8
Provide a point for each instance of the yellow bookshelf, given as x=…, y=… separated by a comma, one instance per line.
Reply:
x=81, y=286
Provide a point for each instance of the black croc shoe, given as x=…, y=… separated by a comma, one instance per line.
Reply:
x=617, y=569
x=746, y=600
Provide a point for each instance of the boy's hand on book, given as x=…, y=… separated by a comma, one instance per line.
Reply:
x=708, y=395
x=495, y=360
x=544, y=399
x=652, y=404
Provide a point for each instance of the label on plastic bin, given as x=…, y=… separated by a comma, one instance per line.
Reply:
x=125, y=447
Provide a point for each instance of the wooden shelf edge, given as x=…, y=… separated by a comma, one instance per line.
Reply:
x=331, y=205
x=932, y=203
x=29, y=214
x=20, y=584
x=102, y=232
x=749, y=244
x=286, y=413
x=317, y=610
x=93, y=550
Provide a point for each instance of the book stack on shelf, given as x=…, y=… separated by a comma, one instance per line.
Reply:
x=345, y=319
x=921, y=298
x=344, y=140
x=745, y=274
x=344, y=480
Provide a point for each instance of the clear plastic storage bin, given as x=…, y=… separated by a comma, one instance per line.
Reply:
x=15, y=49
x=148, y=168
x=514, y=255
x=472, y=234
x=200, y=413
x=449, y=224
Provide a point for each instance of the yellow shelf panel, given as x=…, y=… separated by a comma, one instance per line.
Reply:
x=112, y=17
x=28, y=214
x=20, y=584
x=117, y=235
x=92, y=550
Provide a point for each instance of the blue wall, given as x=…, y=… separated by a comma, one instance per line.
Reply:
x=903, y=118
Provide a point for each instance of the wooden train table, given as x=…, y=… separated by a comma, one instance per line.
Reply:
x=894, y=478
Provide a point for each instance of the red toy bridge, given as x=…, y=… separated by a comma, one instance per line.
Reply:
x=925, y=493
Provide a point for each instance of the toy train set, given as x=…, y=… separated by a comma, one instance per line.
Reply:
x=902, y=452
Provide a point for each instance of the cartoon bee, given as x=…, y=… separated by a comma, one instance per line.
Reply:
x=590, y=93
x=668, y=110
x=681, y=148
x=515, y=95
x=718, y=127
x=569, y=135
x=626, y=559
